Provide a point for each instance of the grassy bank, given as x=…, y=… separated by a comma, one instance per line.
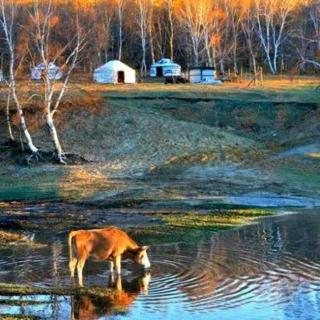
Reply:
x=194, y=226
x=152, y=128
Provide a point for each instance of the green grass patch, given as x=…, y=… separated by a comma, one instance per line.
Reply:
x=8, y=289
x=18, y=317
x=302, y=174
x=194, y=226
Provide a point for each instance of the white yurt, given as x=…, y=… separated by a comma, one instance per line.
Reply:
x=114, y=71
x=165, y=68
x=54, y=72
x=202, y=75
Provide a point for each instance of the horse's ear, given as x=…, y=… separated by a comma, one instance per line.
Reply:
x=145, y=248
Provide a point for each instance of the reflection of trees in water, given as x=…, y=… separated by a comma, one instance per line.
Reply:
x=55, y=274
x=271, y=259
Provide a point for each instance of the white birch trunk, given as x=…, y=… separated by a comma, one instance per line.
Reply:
x=7, y=27
x=54, y=136
x=171, y=31
x=120, y=7
x=11, y=137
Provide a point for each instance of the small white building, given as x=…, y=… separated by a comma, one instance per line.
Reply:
x=203, y=75
x=54, y=72
x=165, y=68
x=114, y=71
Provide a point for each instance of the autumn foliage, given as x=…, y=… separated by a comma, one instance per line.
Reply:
x=279, y=35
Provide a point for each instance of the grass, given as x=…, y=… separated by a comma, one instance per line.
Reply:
x=190, y=125
x=190, y=227
x=16, y=239
x=18, y=317
x=314, y=155
x=302, y=173
x=8, y=289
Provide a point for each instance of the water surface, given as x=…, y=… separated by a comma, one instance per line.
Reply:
x=270, y=270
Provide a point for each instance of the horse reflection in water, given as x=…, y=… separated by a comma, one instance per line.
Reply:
x=85, y=307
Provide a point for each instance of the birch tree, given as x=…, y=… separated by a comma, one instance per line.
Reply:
x=8, y=15
x=150, y=21
x=271, y=17
x=142, y=22
x=169, y=4
x=232, y=8
x=190, y=16
x=44, y=20
x=120, y=5
x=309, y=34
x=248, y=28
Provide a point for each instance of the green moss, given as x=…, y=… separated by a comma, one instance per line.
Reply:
x=14, y=289
x=19, y=303
x=193, y=226
x=18, y=317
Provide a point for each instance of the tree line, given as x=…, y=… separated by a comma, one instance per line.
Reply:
x=278, y=35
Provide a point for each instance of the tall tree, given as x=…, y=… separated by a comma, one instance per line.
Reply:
x=248, y=28
x=271, y=17
x=45, y=20
x=8, y=23
x=120, y=6
x=142, y=22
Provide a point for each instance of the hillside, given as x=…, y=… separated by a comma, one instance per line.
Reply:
x=210, y=141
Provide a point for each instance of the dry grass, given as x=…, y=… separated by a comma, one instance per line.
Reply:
x=80, y=182
x=314, y=155
x=12, y=238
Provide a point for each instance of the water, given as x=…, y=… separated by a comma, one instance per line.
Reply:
x=270, y=270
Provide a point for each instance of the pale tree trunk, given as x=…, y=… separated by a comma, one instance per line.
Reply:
x=196, y=54
x=54, y=136
x=42, y=40
x=171, y=30
x=208, y=47
x=120, y=38
x=160, y=40
x=120, y=9
x=8, y=119
x=221, y=64
x=150, y=31
x=271, y=23
x=312, y=38
x=7, y=24
x=143, y=69
x=247, y=24
x=143, y=28
x=232, y=11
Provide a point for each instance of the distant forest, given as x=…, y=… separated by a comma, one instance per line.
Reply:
x=278, y=35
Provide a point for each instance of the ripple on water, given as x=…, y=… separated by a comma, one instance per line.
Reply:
x=234, y=269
